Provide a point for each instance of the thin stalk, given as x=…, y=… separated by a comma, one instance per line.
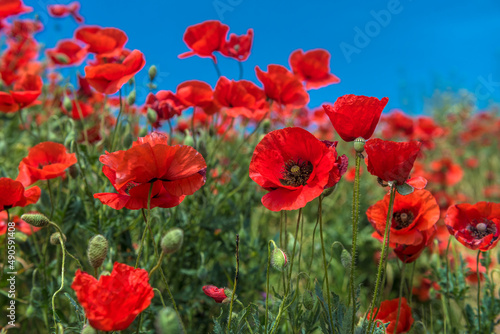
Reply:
x=355, y=218
x=240, y=66
x=51, y=199
x=294, y=246
x=62, y=280
x=146, y=228
x=117, y=121
x=324, y=257
x=478, y=292
x=400, y=295
x=235, y=281
x=217, y=69
x=382, y=255
x=410, y=291
x=164, y=279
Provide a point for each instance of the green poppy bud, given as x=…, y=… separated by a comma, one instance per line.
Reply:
x=279, y=260
x=167, y=322
x=172, y=241
x=152, y=72
x=35, y=219
x=97, y=250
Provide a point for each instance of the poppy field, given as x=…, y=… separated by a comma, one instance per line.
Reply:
x=232, y=206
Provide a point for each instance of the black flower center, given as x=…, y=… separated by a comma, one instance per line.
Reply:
x=402, y=219
x=296, y=173
x=481, y=228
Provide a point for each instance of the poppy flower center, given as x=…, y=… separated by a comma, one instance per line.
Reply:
x=482, y=228
x=402, y=219
x=296, y=173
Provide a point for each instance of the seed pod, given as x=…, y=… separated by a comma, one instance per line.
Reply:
x=359, y=144
x=152, y=116
x=97, y=250
x=172, y=241
x=35, y=219
x=152, y=72
x=279, y=260
x=131, y=98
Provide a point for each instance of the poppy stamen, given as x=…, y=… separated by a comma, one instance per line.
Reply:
x=296, y=173
x=402, y=219
x=481, y=229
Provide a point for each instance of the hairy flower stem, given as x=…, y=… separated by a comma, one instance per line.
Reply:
x=62, y=279
x=410, y=290
x=478, y=292
x=293, y=251
x=51, y=200
x=235, y=281
x=117, y=125
x=382, y=256
x=325, y=266
x=355, y=219
x=146, y=228
x=400, y=295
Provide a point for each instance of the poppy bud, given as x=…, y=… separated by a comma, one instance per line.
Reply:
x=143, y=132
x=152, y=116
x=217, y=294
x=279, y=259
x=67, y=104
x=73, y=171
x=359, y=144
x=345, y=259
x=167, y=322
x=35, y=219
x=172, y=241
x=307, y=300
x=266, y=125
x=152, y=72
x=59, y=329
x=328, y=191
x=131, y=97
x=104, y=273
x=97, y=250
x=54, y=238
x=62, y=58
x=128, y=140
x=88, y=330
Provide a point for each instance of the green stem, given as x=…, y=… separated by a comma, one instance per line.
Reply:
x=478, y=292
x=382, y=255
x=117, y=125
x=164, y=279
x=400, y=296
x=217, y=69
x=62, y=279
x=324, y=258
x=235, y=281
x=267, y=279
x=51, y=199
x=294, y=246
x=158, y=264
x=240, y=66
x=410, y=292
x=355, y=218
x=146, y=228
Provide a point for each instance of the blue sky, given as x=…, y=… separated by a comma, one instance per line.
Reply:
x=410, y=47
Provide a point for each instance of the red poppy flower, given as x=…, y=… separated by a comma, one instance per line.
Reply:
x=65, y=10
x=397, y=124
x=413, y=215
x=134, y=196
x=388, y=312
x=113, y=302
x=21, y=29
x=445, y=172
x=204, y=39
x=194, y=93
x=26, y=90
x=240, y=98
x=391, y=161
x=313, y=67
x=471, y=261
x=109, y=78
x=238, y=47
x=79, y=110
x=293, y=165
x=282, y=86
x=13, y=193
x=217, y=294
x=45, y=161
x=13, y=7
x=476, y=226
x=355, y=116
x=7, y=103
x=105, y=42
x=166, y=104
x=67, y=53
x=180, y=168
x=17, y=58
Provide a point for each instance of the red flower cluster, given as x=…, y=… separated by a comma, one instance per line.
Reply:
x=113, y=302
x=13, y=193
x=174, y=171
x=295, y=167
x=25, y=92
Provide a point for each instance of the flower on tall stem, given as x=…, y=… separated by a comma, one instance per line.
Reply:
x=313, y=68
x=205, y=38
x=388, y=312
